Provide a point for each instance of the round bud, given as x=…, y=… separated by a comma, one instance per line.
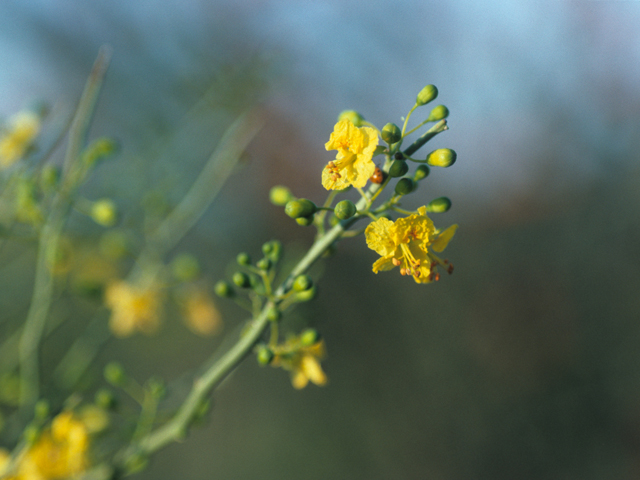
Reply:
x=49, y=177
x=280, y=195
x=391, y=133
x=104, y=212
x=302, y=283
x=243, y=259
x=398, y=156
x=264, y=264
x=156, y=387
x=439, y=205
x=306, y=295
x=345, y=209
x=185, y=267
x=427, y=94
x=421, y=172
x=41, y=409
x=264, y=355
x=223, y=289
x=438, y=113
x=300, y=208
x=352, y=115
x=274, y=314
x=443, y=157
x=405, y=186
x=305, y=221
x=309, y=337
x=114, y=374
x=272, y=250
x=105, y=399
x=398, y=168
x=241, y=279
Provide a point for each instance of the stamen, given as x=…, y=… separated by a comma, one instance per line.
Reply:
x=396, y=262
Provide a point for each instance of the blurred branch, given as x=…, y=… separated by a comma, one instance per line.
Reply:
x=50, y=237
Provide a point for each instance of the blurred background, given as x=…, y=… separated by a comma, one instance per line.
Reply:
x=525, y=363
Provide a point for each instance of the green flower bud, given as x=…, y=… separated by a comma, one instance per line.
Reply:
x=243, y=259
x=114, y=374
x=105, y=399
x=305, y=221
x=31, y=434
x=224, y=290
x=49, y=177
x=264, y=264
x=398, y=168
x=306, y=295
x=439, y=205
x=185, y=267
x=345, y=209
x=405, y=186
x=398, y=156
x=421, y=172
x=427, y=94
x=352, y=115
x=156, y=387
x=280, y=195
x=438, y=113
x=302, y=283
x=274, y=314
x=41, y=409
x=264, y=355
x=391, y=133
x=272, y=250
x=241, y=280
x=104, y=212
x=443, y=157
x=98, y=150
x=300, y=208
x=309, y=337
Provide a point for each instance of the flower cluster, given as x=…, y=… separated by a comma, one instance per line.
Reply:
x=60, y=452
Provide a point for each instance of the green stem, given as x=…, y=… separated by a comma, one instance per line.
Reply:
x=439, y=127
x=35, y=322
x=177, y=427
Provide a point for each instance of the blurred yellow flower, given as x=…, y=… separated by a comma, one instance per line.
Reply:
x=200, y=312
x=17, y=137
x=304, y=365
x=409, y=243
x=133, y=308
x=353, y=164
x=60, y=452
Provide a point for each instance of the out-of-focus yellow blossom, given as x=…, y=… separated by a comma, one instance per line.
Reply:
x=353, y=164
x=5, y=457
x=409, y=243
x=133, y=308
x=304, y=364
x=60, y=452
x=200, y=312
x=17, y=137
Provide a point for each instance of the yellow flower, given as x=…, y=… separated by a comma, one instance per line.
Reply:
x=200, y=312
x=409, y=243
x=353, y=164
x=59, y=453
x=21, y=130
x=133, y=308
x=303, y=363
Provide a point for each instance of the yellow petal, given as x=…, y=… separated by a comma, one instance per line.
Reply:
x=312, y=370
x=440, y=243
x=383, y=264
x=378, y=237
x=298, y=379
